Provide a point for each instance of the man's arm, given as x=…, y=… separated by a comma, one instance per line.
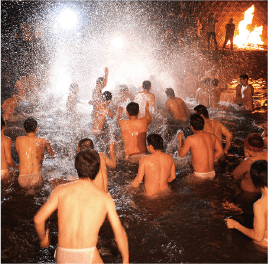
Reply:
x=229, y=137
x=138, y=180
x=112, y=161
x=172, y=175
x=120, y=115
x=147, y=114
x=218, y=148
x=105, y=80
x=42, y=215
x=49, y=148
x=242, y=169
x=258, y=231
x=8, y=156
x=186, y=110
x=167, y=107
x=183, y=148
x=119, y=231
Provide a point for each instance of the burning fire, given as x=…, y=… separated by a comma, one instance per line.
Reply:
x=246, y=38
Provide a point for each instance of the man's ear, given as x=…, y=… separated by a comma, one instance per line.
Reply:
x=36, y=129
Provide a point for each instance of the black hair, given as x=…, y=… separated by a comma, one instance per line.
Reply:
x=146, y=85
x=85, y=143
x=258, y=173
x=156, y=141
x=207, y=81
x=99, y=80
x=106, y=96
x=30, y=124
x=243, y=76
x=197, y=122
x=87, y=163
x=73, y=87
x=133, y=109
x=215, y=82
x=255, y=140
x=3, y=123
x=201, y=110
x=170, y=92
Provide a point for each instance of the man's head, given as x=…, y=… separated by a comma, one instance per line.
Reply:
x=107, y=96
x=30, y=125
x=73, y=87
x=123, y=87
x=87, y=164
x=156, y=141
x=197, y=122
x=254, y=142
x=201, y=110
x=258, y=173
x=207, y=81
x=100, y=80
x=3, y=123
x=85, y=143
x=170, y=92
x=146, y=85
x=243, y=79
x=231, y=21
x=133, y=109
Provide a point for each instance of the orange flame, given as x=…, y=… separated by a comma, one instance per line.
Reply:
x=246, y=38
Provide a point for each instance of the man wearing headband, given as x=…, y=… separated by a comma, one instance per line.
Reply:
x=254, y=150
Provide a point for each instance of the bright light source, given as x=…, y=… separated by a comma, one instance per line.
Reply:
x=68, y=19
x=117, y=42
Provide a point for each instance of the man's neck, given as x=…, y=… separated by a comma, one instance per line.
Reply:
x=31, y=134
x=133, y=117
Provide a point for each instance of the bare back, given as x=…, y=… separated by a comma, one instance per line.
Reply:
x=158, y=168
x=81, y=212
x=178, y=109
x=134, y=135
x=215, y=127
x=202, y=147
x=30, y=150
x=142, y=98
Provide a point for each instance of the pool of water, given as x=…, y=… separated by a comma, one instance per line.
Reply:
x=186, y=225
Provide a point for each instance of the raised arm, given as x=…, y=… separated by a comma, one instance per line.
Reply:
x=229, y=137
x=147, y=114
x=119, y=231
x=42, y=215
x=111, y=163
x=119, y=117
x=258, y=231
x=104, y=83
x=183, y=148
x=138, y=180
x=49, y=148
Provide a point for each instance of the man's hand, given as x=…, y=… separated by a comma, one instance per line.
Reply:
x=180, y=136
x=46, y=240
x=230, y=223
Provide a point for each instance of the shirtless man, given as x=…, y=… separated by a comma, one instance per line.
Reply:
x=101, y=112
x=145, y=96
x=22, y=87
x=158, y=169
x=258, y=175
x=215, y=94
x=202, y=94
x=254, y=150
x=176, y=106
x=134, y=131
x=82, y=208
x=101, y=82
x=101, y=179
x=215, y=127
x=204, y=147
x=6, y=158
x=244, y=93
x=9, y=106
x=30, y=149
